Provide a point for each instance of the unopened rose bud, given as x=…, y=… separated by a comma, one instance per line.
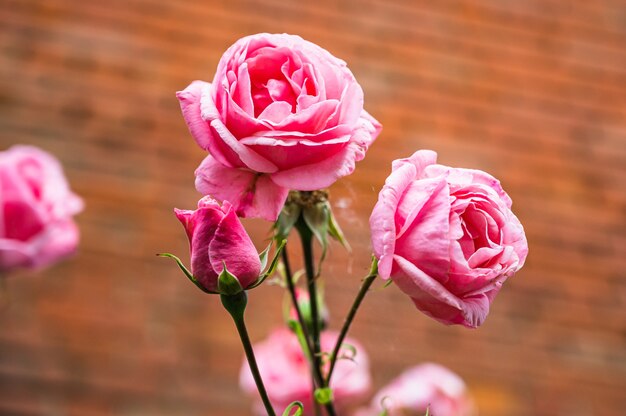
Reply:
x=216, y=237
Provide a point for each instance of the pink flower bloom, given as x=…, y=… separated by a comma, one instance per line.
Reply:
x=427, y=386
x=286, y=373
x=216, y=236
x=447, y=237
x=36, y=209
x=282, y=113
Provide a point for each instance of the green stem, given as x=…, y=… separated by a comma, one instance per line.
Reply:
x=317, y=374
x=306, y=236
x=367, y=282
x=236, y=305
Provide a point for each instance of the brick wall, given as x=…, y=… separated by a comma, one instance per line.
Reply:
x=533, y=92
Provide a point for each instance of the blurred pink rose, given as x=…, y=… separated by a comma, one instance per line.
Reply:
x=36, y=209
x=286, y=373
x=282, y=113
x=446, y=237
x=215, y=236
x=427, y=386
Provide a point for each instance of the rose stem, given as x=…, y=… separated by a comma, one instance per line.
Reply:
x=236, y=305
x=317, y=374
x=367, y=282
x=306, y=236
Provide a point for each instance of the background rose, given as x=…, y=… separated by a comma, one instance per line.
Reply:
x=36, y=206
x=426, y=386
x=282, y=113
x=447, y=237
x=287, y=377
x=215, y=236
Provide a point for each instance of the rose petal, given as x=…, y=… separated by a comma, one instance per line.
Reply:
x=232, y=245
x=324, y=173
x=251, y=195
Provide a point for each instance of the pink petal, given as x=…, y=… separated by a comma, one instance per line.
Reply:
x=252, y=195
x=200, y=226
x=324, y=173
x=424, y=239
x=232, y=245
x=382, y=223
x=430, y=296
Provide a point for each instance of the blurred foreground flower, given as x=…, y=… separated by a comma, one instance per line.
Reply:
x=447, y=237
x=36, y=209
x=427, y=386
x=286, y=372
x=282, y=113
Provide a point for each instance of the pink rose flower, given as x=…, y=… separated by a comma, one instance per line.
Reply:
x=216, y=236
x=446, y=237
x=427, y=386
x=287, y=378
x=36, y=226
x=282, y=113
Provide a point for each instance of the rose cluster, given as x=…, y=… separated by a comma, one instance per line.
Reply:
x=283, y=115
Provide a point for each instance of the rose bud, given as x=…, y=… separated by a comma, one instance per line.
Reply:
x=217, y=237
x=447, y=238
x=282, y=113
x=36, y=206
x=286, y=373
x=424, y=387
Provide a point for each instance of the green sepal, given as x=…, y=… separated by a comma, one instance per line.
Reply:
x=317, y=218
x=286, y=221
x=387, y=284
x=427, y=411
x=334, y=230
x=323, y=395
x=263, y=256
x=187, y=273
x=227, y=283
x=299, y=410
x=272, y=267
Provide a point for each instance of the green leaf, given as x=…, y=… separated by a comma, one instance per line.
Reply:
x=297, y=329
x=335, y=231
x=351, y=349
x=186, y=272
x=227, y=283
x=299, y=410
x=323, y=395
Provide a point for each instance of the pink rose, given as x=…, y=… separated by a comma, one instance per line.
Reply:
x=447, y=237
x=286, y=373
x=282, y=113
x=216, y=236
x=427, y=386
x=37, y=206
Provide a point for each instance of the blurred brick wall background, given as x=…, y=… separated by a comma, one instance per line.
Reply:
x=531, y=91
